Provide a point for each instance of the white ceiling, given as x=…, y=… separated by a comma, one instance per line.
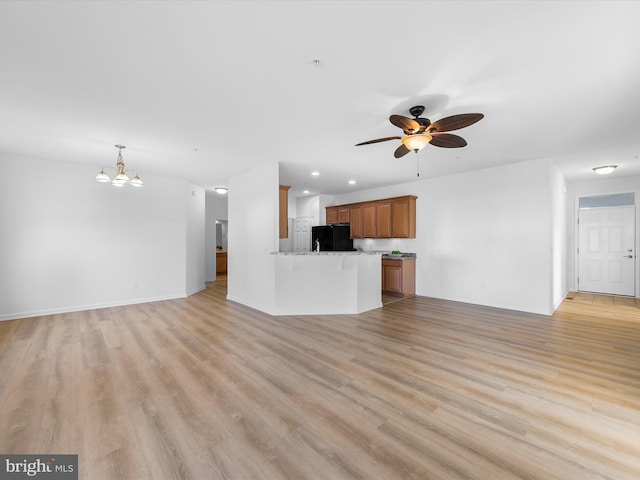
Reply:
x=203, y=90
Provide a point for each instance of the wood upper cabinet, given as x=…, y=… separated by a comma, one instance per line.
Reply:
x=284, y=211
x=355, y=221
x=403, y=218
x=388, y=218
x=338, y=214
x=343, y=214
x=369, y=229
x=332, y=215
x=383, y=219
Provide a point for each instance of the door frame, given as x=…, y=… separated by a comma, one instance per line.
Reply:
x=576, y=235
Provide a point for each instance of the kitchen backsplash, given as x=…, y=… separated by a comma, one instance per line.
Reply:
x=385, y=244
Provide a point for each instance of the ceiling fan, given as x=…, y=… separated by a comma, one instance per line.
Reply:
x=420, y=131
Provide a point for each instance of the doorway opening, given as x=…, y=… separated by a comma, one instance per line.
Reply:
x=221, y=249
x=606, y=257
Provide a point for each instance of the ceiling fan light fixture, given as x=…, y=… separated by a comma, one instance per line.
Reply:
x=417, y=141
x=605, y=169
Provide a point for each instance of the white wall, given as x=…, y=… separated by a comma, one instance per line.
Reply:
x=558, y=216
x=314, y=207
x=614, y=183
x=253, y=235
x=195, y=231
x=69, y=243
x=482, y=237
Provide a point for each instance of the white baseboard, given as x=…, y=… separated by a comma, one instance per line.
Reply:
x=196, y=290
x=79, y=308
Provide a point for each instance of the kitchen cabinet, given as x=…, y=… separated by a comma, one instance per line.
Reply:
x=332, y=216
x=399, y=276
x=221, y=263
x=284, y=211
x=369, y=229
x=403, y=215
x=355, y=221
x=385, y=218
x=338, y=214
x=343, y=214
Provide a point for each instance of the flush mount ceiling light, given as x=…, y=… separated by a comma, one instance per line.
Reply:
x=121, y=179
x=605, y=169
x=221, y=190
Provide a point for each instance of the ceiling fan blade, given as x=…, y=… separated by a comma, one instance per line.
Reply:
x=455, y=122
x=405, y=123
x=378, y=140
x=401, y=151
x=447, y=140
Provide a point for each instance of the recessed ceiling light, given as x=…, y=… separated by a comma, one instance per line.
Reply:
x=305, y=192
x=315, y=173
x=352, y=182
x=605, y=169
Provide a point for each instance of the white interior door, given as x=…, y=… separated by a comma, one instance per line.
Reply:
x=302, y=234
x=606, y=250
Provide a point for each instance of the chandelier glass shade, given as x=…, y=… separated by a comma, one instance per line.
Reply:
x=121, y=179
x=416, y=142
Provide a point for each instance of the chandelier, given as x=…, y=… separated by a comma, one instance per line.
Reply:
x=121, y=179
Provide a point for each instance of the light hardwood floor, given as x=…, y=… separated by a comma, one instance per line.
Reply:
x=202, y=388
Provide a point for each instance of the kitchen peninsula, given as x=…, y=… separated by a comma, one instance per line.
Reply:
x=319, y=283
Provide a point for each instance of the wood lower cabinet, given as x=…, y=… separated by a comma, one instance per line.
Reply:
x=221, y=263
x=399, y=277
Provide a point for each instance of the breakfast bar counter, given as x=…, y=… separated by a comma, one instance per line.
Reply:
x=319, y=283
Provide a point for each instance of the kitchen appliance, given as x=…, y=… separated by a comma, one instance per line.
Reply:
x=332, y=238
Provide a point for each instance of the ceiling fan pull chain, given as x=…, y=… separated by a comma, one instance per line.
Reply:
x=418, y=166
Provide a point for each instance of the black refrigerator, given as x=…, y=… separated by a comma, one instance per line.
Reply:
x=331, y=238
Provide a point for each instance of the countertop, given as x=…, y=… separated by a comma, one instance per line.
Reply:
x=357, y=252
x=384, y=254
x=405, y=256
